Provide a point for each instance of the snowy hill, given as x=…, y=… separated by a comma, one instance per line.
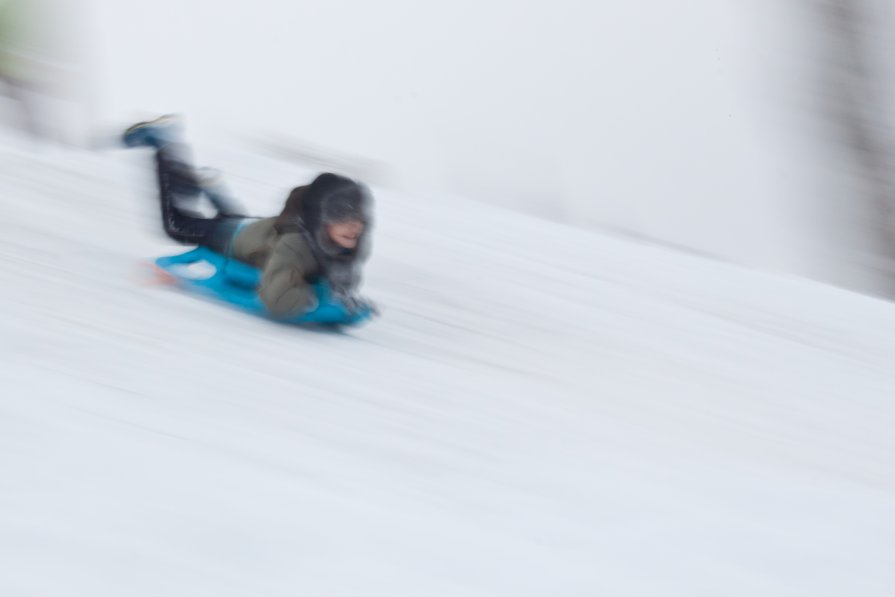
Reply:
x=540, y=411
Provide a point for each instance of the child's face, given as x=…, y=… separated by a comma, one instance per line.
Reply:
x=345, y=234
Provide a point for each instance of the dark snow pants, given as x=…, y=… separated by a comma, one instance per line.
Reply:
x=179, y=186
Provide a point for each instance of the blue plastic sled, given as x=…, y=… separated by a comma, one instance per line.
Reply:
x=235, y=282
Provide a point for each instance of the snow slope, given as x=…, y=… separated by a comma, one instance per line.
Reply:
x=540, y=411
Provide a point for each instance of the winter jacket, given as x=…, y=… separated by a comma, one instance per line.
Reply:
x=293, y=250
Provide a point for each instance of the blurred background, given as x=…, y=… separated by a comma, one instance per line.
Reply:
x=756, y=131
x=560, y=398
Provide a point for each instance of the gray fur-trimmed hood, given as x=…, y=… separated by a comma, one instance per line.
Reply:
x=330, y=198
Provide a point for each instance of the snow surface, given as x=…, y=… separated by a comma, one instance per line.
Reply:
x=540, y=411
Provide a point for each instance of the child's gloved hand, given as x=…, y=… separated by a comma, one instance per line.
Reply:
x=357, y=304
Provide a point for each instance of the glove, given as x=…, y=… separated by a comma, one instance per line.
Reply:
x=356, y=304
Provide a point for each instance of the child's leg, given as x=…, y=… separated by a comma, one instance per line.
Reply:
x=180, y=186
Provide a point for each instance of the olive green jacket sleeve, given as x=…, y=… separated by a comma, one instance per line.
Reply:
x=284, y=289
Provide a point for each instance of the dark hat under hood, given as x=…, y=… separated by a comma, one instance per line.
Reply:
x=330, y=198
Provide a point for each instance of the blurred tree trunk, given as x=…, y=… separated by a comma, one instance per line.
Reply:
x=852, y=81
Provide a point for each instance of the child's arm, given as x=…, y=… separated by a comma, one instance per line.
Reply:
x=283, y=289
